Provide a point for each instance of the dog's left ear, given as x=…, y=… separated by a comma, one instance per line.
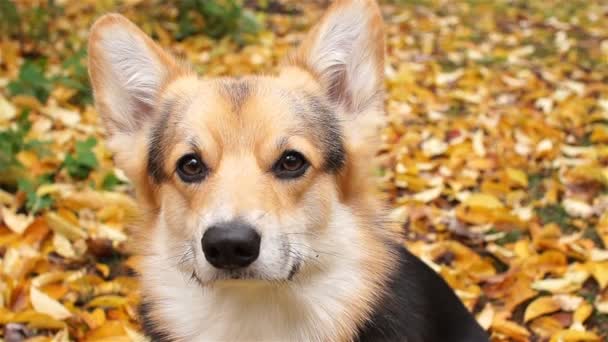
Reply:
x=345, y=53
x=127, y=71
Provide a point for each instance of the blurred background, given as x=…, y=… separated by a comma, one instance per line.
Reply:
x=493, y=159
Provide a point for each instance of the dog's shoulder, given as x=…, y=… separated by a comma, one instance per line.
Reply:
x=418, y=305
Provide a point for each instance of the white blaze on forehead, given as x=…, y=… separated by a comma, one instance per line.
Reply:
x=218, y=214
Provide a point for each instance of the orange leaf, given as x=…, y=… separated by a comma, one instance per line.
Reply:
x=540, y=306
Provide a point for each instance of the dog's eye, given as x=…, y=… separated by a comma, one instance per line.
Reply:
x=191, y=168
x=292, y=164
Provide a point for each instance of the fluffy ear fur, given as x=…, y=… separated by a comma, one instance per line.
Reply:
x=127, y=71
x=345, y=52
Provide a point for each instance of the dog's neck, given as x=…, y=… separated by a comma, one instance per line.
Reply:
x=328, y=305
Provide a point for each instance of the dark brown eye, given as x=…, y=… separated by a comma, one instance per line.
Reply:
x=191, y=168
x=292, y=164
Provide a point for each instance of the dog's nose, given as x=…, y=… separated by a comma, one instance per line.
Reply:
x=231, y=245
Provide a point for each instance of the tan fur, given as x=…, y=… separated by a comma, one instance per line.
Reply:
x=241, y=129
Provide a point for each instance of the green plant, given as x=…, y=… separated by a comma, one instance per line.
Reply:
x=535, y=185
x=76, y=76
x=37, y=21
x=32, y=81
x=35, y=203
x=555, y=213
x=14, y=140
x=110, y=181
x=510, y=237
x=9, y=18
x=28, y=23
x=83, y=160
x=216, y=18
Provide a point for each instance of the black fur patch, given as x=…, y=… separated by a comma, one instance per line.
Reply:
x=157, y=142
x=419, y=306
x=149, y=327
x=326, y=127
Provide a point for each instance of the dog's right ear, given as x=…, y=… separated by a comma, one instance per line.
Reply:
x=127, y=71
x=344, y=51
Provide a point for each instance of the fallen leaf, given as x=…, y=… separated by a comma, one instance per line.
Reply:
x=47, y=305
x=18, y=223
x=575, y=336
x=483, y=201
x=541, y=306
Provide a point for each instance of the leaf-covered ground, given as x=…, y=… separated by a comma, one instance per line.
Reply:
x=495, y=155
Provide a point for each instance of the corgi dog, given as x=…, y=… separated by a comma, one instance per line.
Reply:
x=261, y=221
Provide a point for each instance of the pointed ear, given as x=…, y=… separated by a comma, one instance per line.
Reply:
x=127, y=71
x=345, y=52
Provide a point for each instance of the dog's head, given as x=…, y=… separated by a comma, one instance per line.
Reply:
x=242, y=178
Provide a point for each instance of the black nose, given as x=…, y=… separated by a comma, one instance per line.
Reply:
x=231, y=245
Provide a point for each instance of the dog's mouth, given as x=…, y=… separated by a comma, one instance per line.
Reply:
x=272, y=268
x=245, y=275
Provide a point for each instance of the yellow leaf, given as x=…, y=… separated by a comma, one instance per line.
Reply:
x=486, y=316
x=6, y=198
x=587, y=173
x=39, y=339
x=582, y=313
x=26, y=101
x=38, y=320
x=18, y=223
x=17, y=262
x=546, y=326
x=103, y=269
x=599, y=270
x=7, y=110
x=94, y=319
x=575, y=336
x=47, y=305
x=48, y=278
x=136, y=336
x=109, y=301
x=63, y=246
x=541, y=306
x=572, y=281
x=6, y=316
x=517, y=176
x=599, y=134
x=99, y=199
x=513, y=330
x=63, y=226
x=577, y=208
x=568, y=302
x=110, y=331
x=428, y=195
x=62, y=336
x=483, y=201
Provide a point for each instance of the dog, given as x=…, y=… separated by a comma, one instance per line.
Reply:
x=261, y=221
